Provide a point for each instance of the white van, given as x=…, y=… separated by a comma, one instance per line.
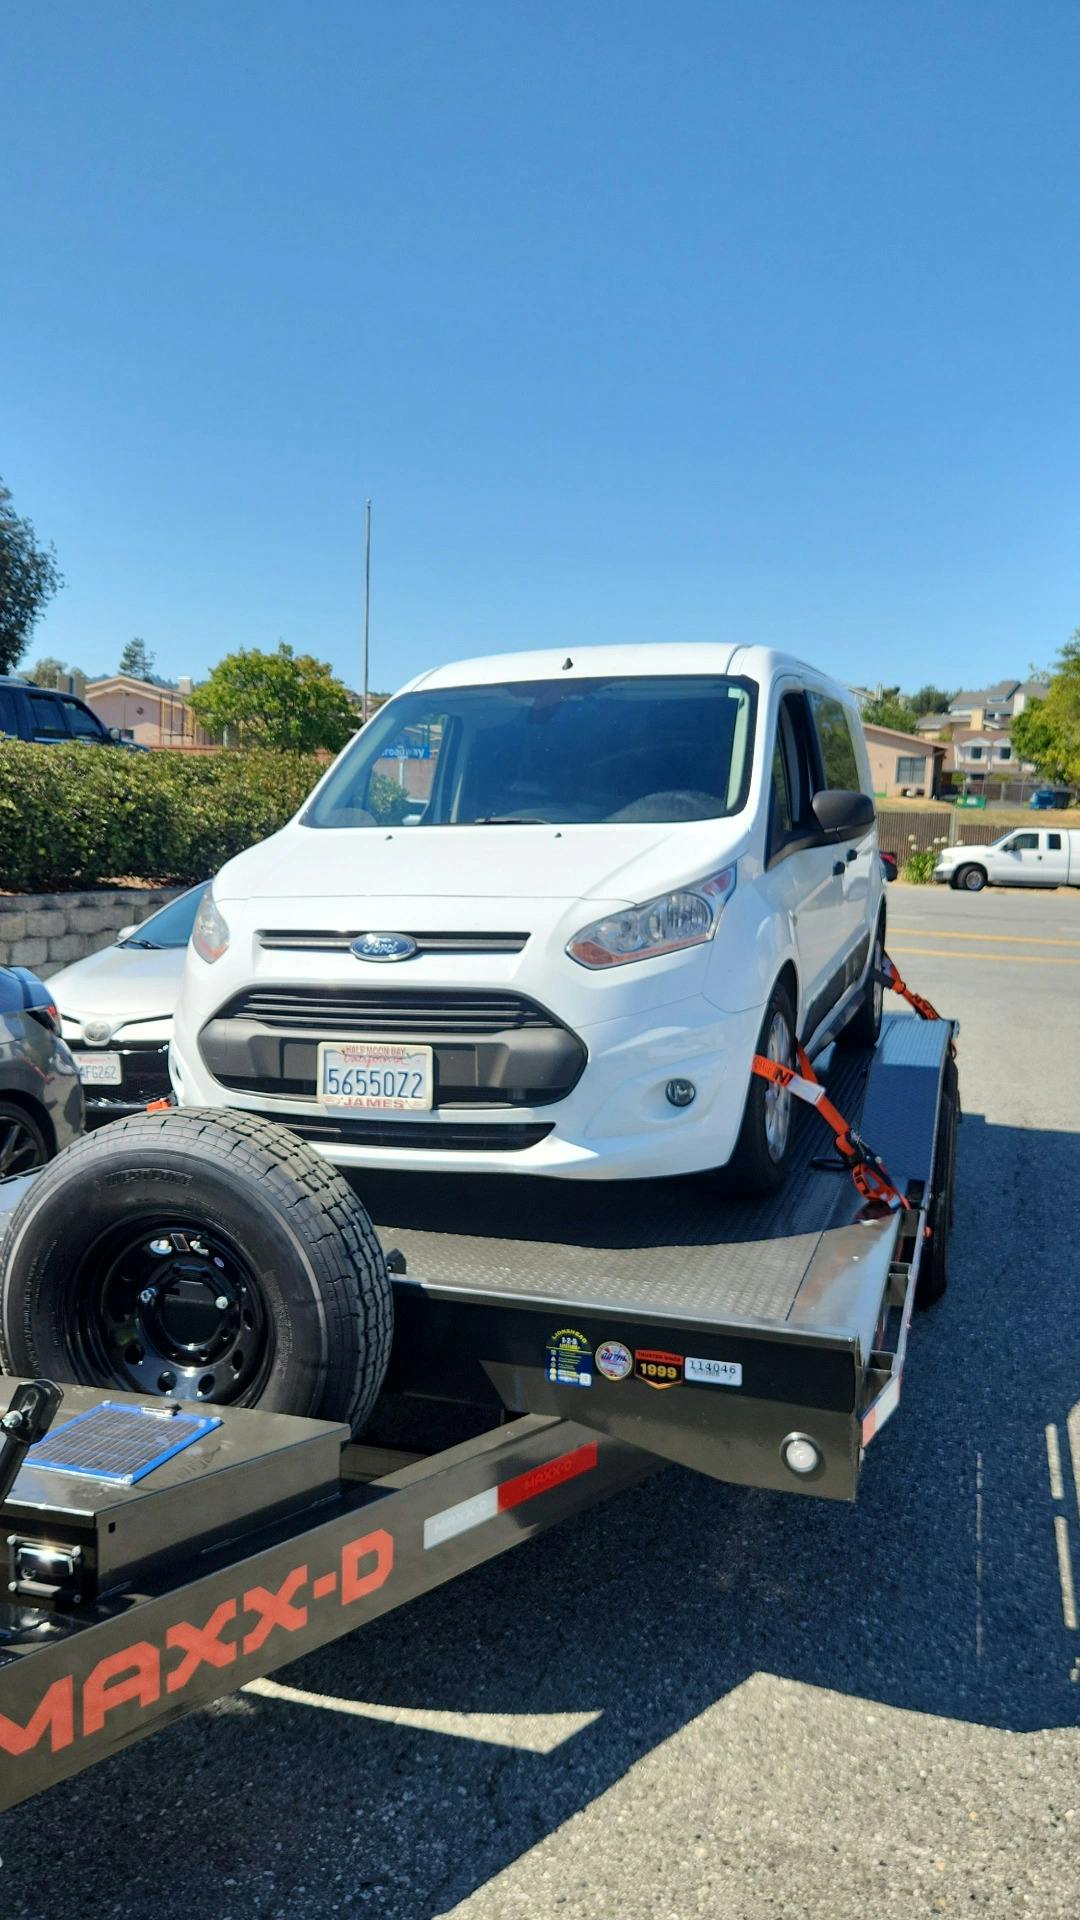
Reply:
x=541, y=913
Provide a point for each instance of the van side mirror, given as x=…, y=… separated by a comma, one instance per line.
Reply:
x=125, y=933
x=842, y=815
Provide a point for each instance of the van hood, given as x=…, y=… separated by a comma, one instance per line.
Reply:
x=625, y=863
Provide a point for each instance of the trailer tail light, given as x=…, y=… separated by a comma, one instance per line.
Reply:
x=801, y=1455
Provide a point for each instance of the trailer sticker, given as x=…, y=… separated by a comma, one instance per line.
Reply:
x=614, y=1360
x=714, y=1373
x=658, y=1369
x=466, y=1514
x=569, y=1358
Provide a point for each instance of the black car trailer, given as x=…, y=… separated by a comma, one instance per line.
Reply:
x=161, y=1553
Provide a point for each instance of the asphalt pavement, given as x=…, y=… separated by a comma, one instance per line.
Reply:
x=700, y=1700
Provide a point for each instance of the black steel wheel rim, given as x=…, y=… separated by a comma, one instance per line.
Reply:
x=172, y=1308
x=21, y=1146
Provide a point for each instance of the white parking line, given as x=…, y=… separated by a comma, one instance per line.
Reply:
x=1053, y=1461
x=1068, y=1592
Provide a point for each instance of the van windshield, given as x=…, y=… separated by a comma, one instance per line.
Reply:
x=530, y=751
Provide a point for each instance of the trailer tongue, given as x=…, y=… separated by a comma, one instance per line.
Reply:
x=607, y=1332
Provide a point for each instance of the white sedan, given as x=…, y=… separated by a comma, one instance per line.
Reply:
x=117, y=1005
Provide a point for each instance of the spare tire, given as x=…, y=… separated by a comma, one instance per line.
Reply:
x=199, y=1256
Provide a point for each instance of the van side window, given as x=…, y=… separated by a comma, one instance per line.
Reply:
x=782, y=817
x=838, y=762
x=9, y=719
x=792, y=783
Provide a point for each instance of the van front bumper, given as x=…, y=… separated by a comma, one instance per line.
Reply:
x=616, y=1123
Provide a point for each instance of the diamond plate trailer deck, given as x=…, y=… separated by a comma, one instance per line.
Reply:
x=271, y=1535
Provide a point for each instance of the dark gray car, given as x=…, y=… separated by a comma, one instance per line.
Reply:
x=41, y=1099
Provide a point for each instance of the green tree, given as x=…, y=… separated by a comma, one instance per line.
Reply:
x=283, y=699
x=137, y=660
x=29, y=576
x=50, y=672
x=890, y=708
x=1033, y=739
x=1047, y=732
x=929, y=700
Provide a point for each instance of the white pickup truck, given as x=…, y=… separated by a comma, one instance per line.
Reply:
x=1027, y=857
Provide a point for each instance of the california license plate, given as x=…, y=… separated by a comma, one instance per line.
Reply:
x=377, y=1076
x=98, y=1069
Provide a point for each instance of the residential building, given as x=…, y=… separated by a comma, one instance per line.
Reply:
x=976, y=729
x=903, y=762
x=151, y=715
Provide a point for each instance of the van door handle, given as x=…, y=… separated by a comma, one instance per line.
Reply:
x=838, y=868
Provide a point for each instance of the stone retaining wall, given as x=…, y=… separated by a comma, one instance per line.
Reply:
x=47, y=930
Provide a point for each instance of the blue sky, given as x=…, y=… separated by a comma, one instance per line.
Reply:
x=750, y=320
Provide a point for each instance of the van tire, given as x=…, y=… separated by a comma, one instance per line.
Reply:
x=263, y=1280
x=970, y=879
x=756, y=1168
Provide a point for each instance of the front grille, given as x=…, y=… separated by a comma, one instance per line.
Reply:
x=318, y=940
x=512, y=1138
x=410, y=1012
x=490, y=1048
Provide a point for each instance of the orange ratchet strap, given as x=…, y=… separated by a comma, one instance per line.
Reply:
x=866, y=1169
x=890, y=977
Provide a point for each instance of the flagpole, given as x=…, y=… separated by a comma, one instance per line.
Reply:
x=367, y=597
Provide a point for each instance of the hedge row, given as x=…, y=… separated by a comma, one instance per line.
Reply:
x=72, y=816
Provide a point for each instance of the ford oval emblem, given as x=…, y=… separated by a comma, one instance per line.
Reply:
x=384, y=946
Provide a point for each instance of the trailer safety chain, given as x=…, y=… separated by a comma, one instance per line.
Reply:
x=867, y=1169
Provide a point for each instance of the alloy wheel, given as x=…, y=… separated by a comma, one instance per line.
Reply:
x=778, y=1099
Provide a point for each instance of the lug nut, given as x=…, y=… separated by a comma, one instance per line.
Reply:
x=222, y=1302
x=148, y=1296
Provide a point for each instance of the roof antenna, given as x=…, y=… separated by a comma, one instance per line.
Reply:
x=567, y=663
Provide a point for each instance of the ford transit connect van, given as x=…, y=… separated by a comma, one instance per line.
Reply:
x=541, y=913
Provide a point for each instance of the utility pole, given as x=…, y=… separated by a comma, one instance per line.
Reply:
x=367, y=598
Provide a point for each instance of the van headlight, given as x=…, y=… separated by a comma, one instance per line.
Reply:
x=685, y=918
x=210, y=934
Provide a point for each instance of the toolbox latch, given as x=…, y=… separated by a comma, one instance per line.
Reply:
x=38, y=1571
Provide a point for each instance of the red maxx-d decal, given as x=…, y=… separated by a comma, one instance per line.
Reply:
x=144, y=1671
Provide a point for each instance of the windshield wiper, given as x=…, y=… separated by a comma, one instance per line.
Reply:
x=152, y=944
x=511, y=820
